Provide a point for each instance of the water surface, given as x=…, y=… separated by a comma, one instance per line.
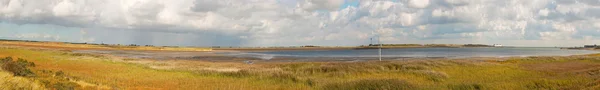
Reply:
x=344, y=55
x=432, y=52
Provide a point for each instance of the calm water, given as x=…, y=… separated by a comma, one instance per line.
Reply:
x=430, y=52
x=344, y=55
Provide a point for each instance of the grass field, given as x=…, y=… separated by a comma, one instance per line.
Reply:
x=86, y=71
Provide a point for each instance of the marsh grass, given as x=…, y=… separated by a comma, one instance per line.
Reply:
x=46, y=78
x=548, y=84
x=463, y=86
x=371, y=84
x=10, y=82
x=56, y=80
x=371, y=75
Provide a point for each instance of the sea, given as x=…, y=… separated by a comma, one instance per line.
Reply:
x=345, y=55
x=428, y=52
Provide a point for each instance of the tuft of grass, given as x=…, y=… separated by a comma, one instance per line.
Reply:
x=545, y=84
x=10, y=82
x=414, y=67
x=56, y=80
x=238, y=74
x=281, y=76
x=472, y=86
x=371, y=84
x=85, y=54
x=435, y=76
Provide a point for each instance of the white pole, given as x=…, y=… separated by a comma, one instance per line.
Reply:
x=380, y=45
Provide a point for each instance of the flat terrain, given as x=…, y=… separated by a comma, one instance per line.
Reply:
x=58, y=67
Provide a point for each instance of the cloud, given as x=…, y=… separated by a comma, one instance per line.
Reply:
x=419, y=3
x=320, y=22
x=320, y=4
x=37, y=36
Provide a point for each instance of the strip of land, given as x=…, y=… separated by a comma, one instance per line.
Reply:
x=94, y=46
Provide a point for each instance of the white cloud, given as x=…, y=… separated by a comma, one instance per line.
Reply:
x=320, y=4
x=543, y=12
x=37, y=36
x=281, y=22
x=419, y=3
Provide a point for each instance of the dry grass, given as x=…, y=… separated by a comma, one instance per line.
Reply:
x=570, y=66
x=515, y=73
x=9, y=82
x=123, y=75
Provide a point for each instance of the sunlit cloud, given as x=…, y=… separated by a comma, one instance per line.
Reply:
x=315, y=22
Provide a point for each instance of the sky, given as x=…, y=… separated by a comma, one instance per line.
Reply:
x=303, y=22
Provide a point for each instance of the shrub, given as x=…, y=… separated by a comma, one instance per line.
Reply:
x=371, y=84
x=59, y=73
x=6, y=59
x=18, y=68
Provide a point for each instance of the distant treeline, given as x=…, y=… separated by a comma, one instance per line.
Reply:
x=396, y=44
x=477, y=45
x=305, y=46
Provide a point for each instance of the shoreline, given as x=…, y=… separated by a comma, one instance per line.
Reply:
x=241, y=54
x=213, y=56
x=133, y=47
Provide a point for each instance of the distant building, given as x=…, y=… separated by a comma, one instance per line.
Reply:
x=591, y=46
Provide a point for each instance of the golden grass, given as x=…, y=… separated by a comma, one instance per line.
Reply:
x=8, y=82
x=515, y=73
x=133, y=76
